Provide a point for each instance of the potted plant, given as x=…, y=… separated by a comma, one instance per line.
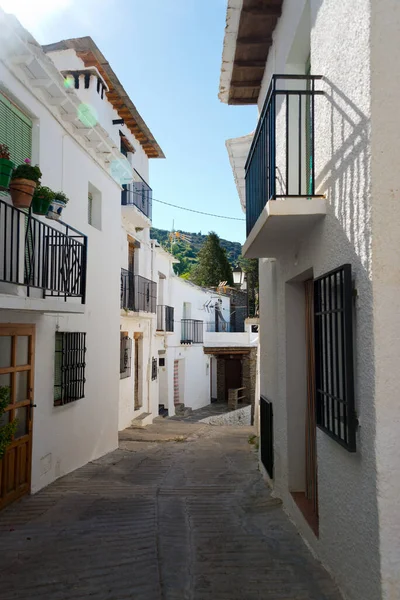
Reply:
x=24, y=180
x=42, y=199
x=6, y=167
x=57, y=204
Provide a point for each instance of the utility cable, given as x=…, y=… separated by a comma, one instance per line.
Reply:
x=199, y=212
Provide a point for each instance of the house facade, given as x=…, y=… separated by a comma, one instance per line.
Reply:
x=318, y=184
x=60, y=281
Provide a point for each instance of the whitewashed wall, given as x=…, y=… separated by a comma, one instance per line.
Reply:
x=65, y=438
x=348, y=543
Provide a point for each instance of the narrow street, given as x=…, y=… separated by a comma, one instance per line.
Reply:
x=180, y=511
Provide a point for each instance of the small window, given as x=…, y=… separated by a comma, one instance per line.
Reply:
x=94, y=207
x=125, y=356
x=90, y=208
x=161, y=362
x=69, y=367
x=333, y=325
x=153, y=369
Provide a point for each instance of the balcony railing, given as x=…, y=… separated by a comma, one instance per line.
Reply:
x=139, y=194
x=281, y=161
x=138, y=293
x=192, y=331
x=38, y=256
x=225, y=327
x=165, y=318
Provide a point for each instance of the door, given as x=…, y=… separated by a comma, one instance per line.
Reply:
x=16, y=385
x=233, y=375
x=311, y=491
x=138, y=371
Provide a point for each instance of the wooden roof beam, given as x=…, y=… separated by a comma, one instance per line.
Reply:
x=272, y=10
x=253, y=40
x=254, y=83
x=250, y=63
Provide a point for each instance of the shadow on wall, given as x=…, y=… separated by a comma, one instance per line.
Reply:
x=343, y=134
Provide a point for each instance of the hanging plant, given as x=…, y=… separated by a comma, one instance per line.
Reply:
x=6, y=167
x=24, y=181
x=42, y=198
x=59, y=201
x=6, y=431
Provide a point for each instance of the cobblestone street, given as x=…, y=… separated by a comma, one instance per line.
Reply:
x=179, y=512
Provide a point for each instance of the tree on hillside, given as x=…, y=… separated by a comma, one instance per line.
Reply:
x=213, y=264
x=250, y=267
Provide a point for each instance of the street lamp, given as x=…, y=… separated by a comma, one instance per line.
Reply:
x=238, y=276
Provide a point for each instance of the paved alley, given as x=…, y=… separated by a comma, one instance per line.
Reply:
x=179, y=512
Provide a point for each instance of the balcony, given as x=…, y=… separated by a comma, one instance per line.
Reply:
x=282, y=205
x=138, y=294
x=136, y=201
x=40, y=262
x=165, y=318
x=192, y=331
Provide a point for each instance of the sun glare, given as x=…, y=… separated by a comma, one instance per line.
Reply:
x=32, y=14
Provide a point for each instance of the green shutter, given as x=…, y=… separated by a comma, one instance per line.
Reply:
x=15, y=131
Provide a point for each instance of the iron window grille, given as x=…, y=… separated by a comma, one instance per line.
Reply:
x=125, y=358
x=69, y=362
x=165, y=318
x=153, y=369
x=333, y=324
x=161, y=362
x=192, y=331
x=267, y=435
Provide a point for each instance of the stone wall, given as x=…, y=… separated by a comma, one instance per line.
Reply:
x=241, y=416
x=221, y=379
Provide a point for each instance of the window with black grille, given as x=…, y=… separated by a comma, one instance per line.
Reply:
x=69, y=363
x=333, y=321
x=161, y=362
x=154, y=369
x=125, y=356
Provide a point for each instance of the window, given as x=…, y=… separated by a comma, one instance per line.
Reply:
x=94, y=207
x=161, y=362
x=15, y=131
x=69, y=367
x=333, y=321
x=125, y=356
x=153, y=369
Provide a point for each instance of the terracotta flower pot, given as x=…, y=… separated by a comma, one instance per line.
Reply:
x=22, y=191
x=6, y=169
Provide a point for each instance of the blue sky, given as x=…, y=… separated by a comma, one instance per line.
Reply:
x=167, y=54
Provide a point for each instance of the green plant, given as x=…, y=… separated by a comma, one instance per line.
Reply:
x=44, y=192
x=27, y=171
x=61, y=197
x=6, y=431
x=4, y=152
x=213, y=264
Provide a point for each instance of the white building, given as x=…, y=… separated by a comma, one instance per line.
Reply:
x=320, y=188
x=60, y=282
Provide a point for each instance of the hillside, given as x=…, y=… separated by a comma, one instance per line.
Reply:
x=233, y=249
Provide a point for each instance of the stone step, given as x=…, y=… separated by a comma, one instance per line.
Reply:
x=142, y=420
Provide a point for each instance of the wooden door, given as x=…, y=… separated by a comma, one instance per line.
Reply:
x=233, y=374
x=17, y=344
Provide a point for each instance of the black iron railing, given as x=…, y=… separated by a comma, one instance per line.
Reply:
x=138, y=293
x=165, y=318
x=36, y=255
x=139, y=194
x=281, y=161
x=192, y=331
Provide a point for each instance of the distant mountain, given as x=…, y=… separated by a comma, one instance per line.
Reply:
x=233, y=249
